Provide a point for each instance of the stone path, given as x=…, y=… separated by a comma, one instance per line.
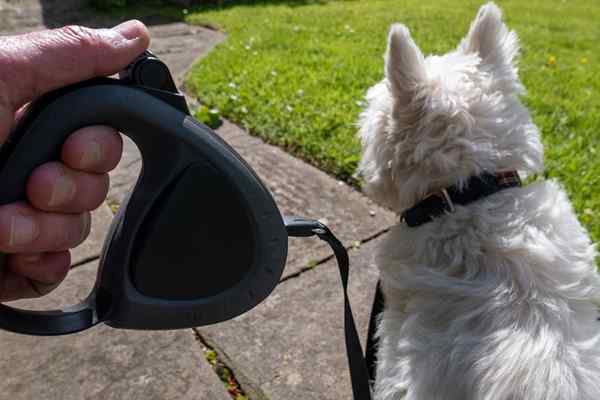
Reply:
x=103, y=363
x=289, y=347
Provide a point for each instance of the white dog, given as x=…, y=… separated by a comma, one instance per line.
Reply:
x=495, y=299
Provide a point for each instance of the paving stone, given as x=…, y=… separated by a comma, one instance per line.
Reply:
x=179, y=45
x=103, y=363
x=303, y=190
x=91, y=248
x=291, y=346
x=19, y=16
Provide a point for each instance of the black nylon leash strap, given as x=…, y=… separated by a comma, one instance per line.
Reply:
x=372, y=342
x=359, y=374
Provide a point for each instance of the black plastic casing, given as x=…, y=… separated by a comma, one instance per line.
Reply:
x=197, y=214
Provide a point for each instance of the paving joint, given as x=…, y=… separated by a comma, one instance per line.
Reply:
x=224, y=363
x=85, y=260
x=324, y=260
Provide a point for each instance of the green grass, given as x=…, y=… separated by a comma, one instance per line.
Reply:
x=295, y=73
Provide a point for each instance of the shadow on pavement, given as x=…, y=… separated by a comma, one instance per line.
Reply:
x=56, y=13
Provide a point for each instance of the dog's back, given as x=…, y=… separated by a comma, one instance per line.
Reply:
x=498, y=300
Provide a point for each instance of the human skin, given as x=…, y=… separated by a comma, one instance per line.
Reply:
x=36, y=234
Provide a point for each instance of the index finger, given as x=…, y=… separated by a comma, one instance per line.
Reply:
x=38, y=62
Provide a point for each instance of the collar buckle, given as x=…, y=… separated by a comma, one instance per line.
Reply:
x=444, y=196
x=447, y=199
x=443, y=201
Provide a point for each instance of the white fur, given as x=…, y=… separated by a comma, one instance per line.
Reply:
x=498, y=300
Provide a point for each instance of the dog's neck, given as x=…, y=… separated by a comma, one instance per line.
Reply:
x=444, y=201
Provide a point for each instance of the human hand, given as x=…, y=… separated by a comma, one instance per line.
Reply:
x=36, y=235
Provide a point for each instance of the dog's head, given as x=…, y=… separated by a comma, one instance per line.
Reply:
x=435, y=121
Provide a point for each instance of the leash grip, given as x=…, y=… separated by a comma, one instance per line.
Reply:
x=38, y=138
x=150, y=273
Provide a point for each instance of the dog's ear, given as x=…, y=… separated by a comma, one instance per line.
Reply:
x=490, y=39
x=404, y=63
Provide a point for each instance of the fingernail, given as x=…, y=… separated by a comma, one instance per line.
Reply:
x=129, y=29
x=23, y=230
x=86, y=226
x=92, y=155
x=62, y=192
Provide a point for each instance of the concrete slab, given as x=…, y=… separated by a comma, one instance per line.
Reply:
x=20, y=16
x=289, y=347
x=179, y=45
x=103, y=363
x=292, y=345
x=303, y=190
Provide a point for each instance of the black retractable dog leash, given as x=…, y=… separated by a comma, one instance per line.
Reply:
x=199, y=239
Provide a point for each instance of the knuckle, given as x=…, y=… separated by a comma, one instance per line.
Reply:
x=18, y=226
x=80, y=35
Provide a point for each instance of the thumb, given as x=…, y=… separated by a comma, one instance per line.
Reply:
x=36, y=63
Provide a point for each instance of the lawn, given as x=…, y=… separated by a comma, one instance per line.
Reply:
x=295, y=73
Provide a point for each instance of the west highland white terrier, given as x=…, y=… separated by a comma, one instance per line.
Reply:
x=496, y=296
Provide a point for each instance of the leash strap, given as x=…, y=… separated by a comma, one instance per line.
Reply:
x=359, y=374
x=371, y=350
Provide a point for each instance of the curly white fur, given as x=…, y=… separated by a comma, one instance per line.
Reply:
x=498, y=300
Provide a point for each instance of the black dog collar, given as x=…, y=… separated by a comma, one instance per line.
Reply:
x=444, y=200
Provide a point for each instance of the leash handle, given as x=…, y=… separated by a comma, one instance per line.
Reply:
x=197, y=206
x=148, y=275
x=38, y=138
x=51, y=322
x=359, y=373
